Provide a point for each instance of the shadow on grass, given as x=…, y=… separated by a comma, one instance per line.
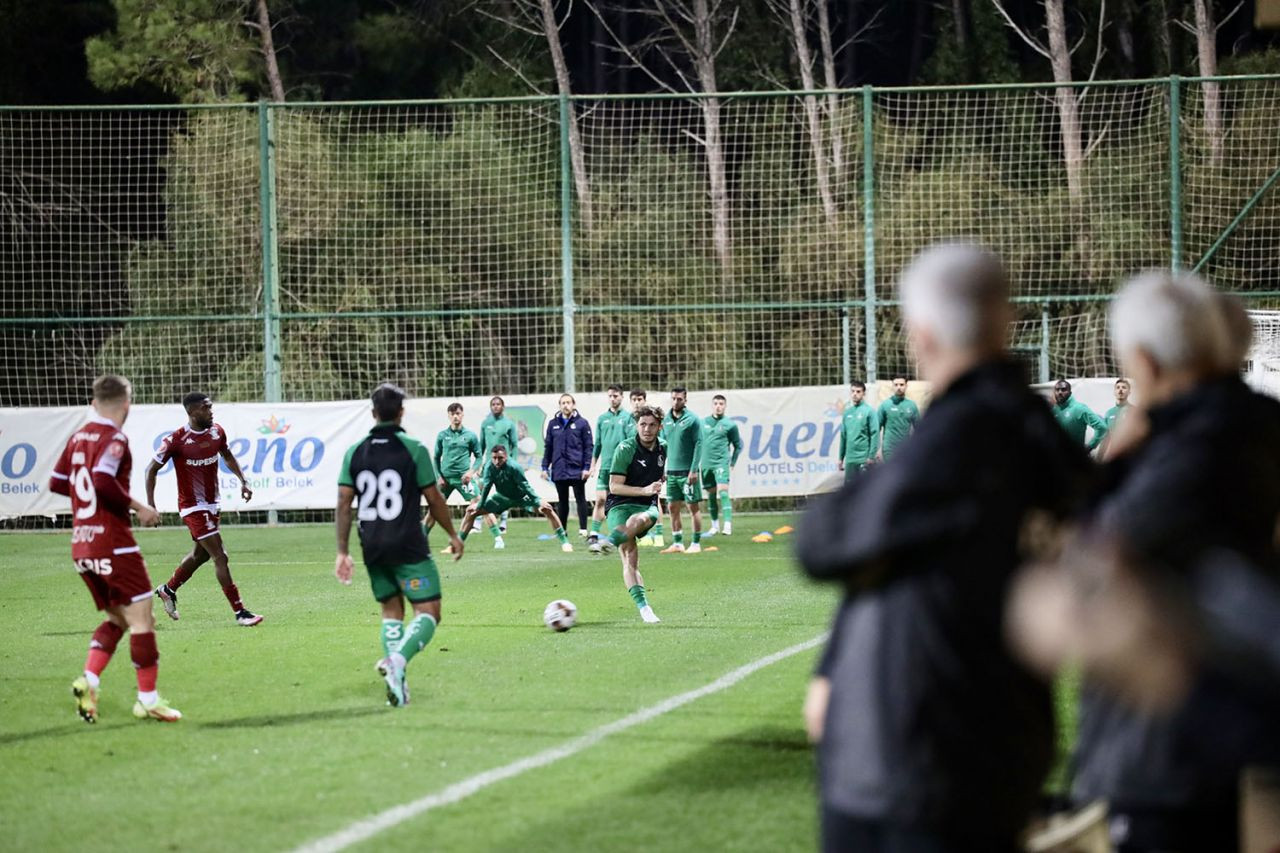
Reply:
x=753, y=790
x=261, y=721
x=68, y=730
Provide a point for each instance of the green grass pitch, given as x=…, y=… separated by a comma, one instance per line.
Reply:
x=287, y=738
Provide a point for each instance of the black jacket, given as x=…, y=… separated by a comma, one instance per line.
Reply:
x=1206, y=480
x=931, y=721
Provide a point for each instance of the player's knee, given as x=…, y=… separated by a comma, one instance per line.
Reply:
x=107, y=636
x=143, y=650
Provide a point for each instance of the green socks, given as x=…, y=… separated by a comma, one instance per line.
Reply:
x=392, y=634
x=561, y=535
x=656, y=530
x=677, y=538
x=697, y=536
x=464, y=532
x=494, y=531
x=728, y=508
x=595, y=526
x=637, y=595
x=421, y=629
x=714, y=502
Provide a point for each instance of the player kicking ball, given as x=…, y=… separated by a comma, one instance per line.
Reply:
x=387, y=475
x=511, y=489
x=195, y=450
x=635, y=480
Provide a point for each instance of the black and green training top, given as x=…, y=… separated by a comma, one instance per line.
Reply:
x=389, y=469
x=640, y=465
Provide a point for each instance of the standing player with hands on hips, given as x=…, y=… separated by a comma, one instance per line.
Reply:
x=195, y=450
x=93, y=471
x=387, y=474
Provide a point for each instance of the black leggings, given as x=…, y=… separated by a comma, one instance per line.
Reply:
x=579, y=495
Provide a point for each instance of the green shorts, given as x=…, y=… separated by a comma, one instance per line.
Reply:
x=620, y=513
x=417, y=581
x=455, y=484
x=496, y=503
x=713, y=477
x=680, y=489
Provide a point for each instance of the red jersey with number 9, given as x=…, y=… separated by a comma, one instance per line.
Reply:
x=195, y=462
x=97, y=528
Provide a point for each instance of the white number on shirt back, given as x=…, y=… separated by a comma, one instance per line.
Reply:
x=379, y=495
x=83, y=482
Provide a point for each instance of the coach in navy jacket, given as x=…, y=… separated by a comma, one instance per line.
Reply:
x=566, y=457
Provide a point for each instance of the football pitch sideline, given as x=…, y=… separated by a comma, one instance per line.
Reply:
x=287, y=741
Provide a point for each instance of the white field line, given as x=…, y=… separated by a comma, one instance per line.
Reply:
x=364, y=829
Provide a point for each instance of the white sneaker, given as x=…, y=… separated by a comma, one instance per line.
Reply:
x=647, y=614
x=498, y=544
x=567, y=547
x=602, y=546
x=695, y=548
x=715, y=528
x=582, y=534
x=476, y=528
x=728, y=528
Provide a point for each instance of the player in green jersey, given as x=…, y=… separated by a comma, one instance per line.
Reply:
x=457, y=450
x=511, y=488
x=1115, y=415
x=635, y=481
x=1075, y=417
x=897, y=416
x=721, y=447
x=859, y=432
x=387, y=474
x=654, y=538
x=682, y=431
x=611, y=428
x=496, y=429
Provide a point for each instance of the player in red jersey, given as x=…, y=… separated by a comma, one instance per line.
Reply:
x=195, y=450
x=93, y=471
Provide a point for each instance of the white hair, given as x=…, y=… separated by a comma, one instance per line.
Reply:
x=1175, y=318
x=959, y=292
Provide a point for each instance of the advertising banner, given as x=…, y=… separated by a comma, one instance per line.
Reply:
x=291, y=452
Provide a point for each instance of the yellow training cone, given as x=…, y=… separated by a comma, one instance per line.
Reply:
x=784, y=529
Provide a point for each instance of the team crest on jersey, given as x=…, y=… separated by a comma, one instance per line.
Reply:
x=116, y=449
x=214, y=434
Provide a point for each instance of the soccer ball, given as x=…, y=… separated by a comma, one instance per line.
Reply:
x=560, y=615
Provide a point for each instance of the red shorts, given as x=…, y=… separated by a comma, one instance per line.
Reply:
x=202, y=524
x=116, y=580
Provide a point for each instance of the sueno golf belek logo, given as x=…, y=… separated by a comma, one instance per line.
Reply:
x=270, y=461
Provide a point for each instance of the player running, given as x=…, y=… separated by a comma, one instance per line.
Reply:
x=897, y=418
x=721, y=447
x=496, y=429
x=611, y=428
x=682, y=431
x=654, y=538
x=635, y=480
x=388, y=473
x=859, y=432
x=511, y=488
x=195, y=450
x=93, y=471
x=457, y=449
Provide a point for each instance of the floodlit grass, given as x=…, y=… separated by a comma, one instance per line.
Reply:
x=286, y=737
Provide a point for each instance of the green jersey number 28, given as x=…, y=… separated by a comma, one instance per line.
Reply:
x=379, y=495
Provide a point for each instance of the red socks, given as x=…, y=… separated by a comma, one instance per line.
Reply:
x=233, y=597
x=146, y=660
x=180, y=576
x=102, y=646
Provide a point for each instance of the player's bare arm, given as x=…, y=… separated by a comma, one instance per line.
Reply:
x=234, y=465
x=153, y=468
x=343, y=564
x=440, y=510
x=618, y=486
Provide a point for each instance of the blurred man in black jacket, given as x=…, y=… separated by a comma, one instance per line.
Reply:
x=933, y=737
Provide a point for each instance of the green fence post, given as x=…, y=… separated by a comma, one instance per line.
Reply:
x=1175, y=170
x=270, y=269
x=869, y=231
x=846, y=348
x=566, y=240
x=271, y=386
x=1044, y=342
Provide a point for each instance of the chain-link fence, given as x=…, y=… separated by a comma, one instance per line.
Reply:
x=307, y=251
